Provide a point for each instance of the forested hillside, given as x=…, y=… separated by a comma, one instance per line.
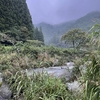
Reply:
x=52, y=33
x=16, y=22
x=87, y=21
x=14, y=13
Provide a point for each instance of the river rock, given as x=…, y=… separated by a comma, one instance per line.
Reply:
x=5, y=92
x=74, y=86
x=69, y=63
x=58, y=71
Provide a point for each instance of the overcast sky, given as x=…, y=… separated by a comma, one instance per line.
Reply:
x=58, y=11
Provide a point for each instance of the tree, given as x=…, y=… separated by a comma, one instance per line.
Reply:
x=18, y=33
x=38, y=35
x=41, y=35
x=75, y=37
x=15, y=13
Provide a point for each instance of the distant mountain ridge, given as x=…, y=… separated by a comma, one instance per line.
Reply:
x=87, y=21
x=52, y=33
x=49, y=31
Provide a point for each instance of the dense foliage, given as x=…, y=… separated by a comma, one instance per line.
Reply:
x=38, y=87
x=15, y=13
x=75, y=37
x=33, y=54
x=16, y=28
x=88, y=67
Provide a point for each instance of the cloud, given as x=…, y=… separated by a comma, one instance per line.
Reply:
x=57, y=11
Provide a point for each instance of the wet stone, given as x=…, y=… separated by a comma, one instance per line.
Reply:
x=5, y=92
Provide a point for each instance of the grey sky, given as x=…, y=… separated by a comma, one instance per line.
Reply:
x=58, y=11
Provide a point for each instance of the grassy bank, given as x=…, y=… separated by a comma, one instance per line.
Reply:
x=34, y=54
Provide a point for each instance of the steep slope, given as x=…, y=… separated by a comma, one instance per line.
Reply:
x=14, y=13
x=87, y=21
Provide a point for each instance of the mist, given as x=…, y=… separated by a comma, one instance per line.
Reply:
x=58, y=11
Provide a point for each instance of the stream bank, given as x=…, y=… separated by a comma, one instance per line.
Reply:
x=59, y=72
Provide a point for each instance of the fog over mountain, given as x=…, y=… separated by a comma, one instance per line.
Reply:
x=56, y=17
x=58, y=11
x=52, y=33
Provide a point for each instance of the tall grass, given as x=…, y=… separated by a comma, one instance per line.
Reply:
x=38, y=87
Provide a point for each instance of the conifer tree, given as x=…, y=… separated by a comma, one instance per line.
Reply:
x=38, y=35
x=15, y=13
